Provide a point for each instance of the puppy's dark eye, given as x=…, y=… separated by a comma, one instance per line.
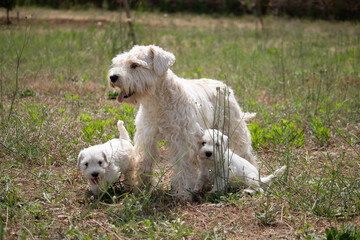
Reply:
x=203, y=143
x=86, y=164
x=133, y=66
x=100, y=162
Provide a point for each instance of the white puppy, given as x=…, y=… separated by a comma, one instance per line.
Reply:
x=220, y=166
x=103, y=164
x=175, y=110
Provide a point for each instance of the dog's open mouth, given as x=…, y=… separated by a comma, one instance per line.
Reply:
x=95, y=181
x=123, y=96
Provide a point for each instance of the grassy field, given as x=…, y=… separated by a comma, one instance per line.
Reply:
x=301, y=77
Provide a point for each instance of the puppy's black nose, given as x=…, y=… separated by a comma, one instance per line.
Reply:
x=208, y=154
x=114, y=78
x=95, y=174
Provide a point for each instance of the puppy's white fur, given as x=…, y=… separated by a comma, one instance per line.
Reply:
x=220, y=166
x=175, y=110
x=103, y=164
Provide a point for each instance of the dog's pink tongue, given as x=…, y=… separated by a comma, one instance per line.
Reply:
x=121, y=97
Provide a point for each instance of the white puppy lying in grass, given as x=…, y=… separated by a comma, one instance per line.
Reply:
x=218, y=164
x=103, y=164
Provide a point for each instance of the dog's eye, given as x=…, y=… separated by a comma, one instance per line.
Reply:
x=86, y=164
x=100, y=162
x=133, y=66
x=203, y=143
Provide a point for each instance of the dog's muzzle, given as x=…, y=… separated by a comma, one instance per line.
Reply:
x=95, y=181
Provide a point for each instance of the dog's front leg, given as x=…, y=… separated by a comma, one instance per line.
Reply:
x=219, y=183
x=203, y=177
x=147, y=151
x=200, y=182
x=185, y=171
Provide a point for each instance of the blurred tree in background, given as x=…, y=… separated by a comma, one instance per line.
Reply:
x=323, y=9
x=8, y=4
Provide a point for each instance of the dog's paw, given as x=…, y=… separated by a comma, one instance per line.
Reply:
x=213, y=191
x=252, y=191
x=197, y=188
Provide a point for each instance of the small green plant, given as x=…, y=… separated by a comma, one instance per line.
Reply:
x=71, y=97
x=112, y=95
x=307, y=232
x=221, y=112
x=347, y=232
x=161, y=143
x=285, y=132
x=27, y=93
x=267, y=214
x=95, y=130
x=320, y=132
x=258, y=134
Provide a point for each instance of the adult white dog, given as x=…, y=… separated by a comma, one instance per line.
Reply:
x=221, y=167
x=175, y=110
x=103, y=164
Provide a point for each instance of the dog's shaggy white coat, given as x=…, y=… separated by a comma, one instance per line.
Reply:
x=103, y=164
x=175, y=110
x=222, y=168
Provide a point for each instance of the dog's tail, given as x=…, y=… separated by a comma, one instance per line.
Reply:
x=268, y=179
x=123, y=133
x=248, y=116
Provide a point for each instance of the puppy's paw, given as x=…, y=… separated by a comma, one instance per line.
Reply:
x=197, y=189
x=252, y=191
x=95, y=191
x=213, y=191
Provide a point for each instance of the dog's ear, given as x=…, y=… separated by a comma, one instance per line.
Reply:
x=80, y=158
x=104, y=156
x=162, y=60
x=134, y=62
x=225, y=141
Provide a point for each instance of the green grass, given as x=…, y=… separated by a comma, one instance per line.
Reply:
x=302, y=78
x=352, y=233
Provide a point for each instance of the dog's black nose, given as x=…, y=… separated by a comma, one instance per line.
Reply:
x=95, y=174
x=114, y=78
x=208, y=154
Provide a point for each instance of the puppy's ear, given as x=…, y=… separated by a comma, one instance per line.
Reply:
x=105, y=158
x=226, y=141
x=200, y=137
x=162, y=60
x=80, y=158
